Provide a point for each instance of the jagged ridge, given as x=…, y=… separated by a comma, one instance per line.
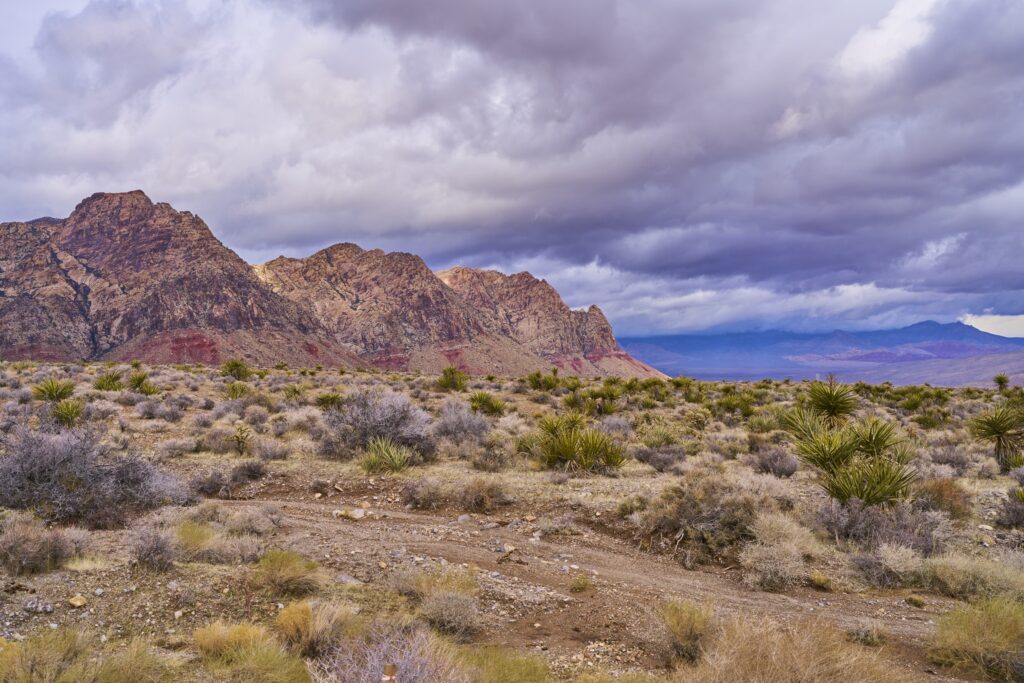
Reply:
x=124, y=277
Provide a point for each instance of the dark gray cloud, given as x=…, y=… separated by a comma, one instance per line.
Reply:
x=685, y=163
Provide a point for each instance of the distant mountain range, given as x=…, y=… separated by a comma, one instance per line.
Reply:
x=951, y=354
x=123, y=277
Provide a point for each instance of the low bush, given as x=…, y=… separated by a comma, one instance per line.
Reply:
x=154, y=549
x=417, y=654
x=963, y=577
x=565, y=442
x=269, y=449
x=870, y=526
x=72, y=477
x=772, y=567
x=109, y=381
x=459, y=422
x=891, y=566
x=946, y=495
x=985, y=638
x=487, y=403
x=775, y=461
x=370, y=415
x=236, y=369
x=1012, y=514
x=67, y=413
x=247, y=471
x=66, y=656
x=661, y=458
x=423, y=494
x=285, y=572
x=28, y=547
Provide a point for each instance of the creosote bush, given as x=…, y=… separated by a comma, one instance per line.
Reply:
x=368, y=414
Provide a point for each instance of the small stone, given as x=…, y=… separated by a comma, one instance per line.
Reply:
x=357, y=513
x=78, y=601
x=178, y=614
x=985, y=527
x=98, y=592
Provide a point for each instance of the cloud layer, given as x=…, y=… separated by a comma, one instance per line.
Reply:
x=687, y=164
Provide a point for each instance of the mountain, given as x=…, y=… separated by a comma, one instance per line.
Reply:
x=952, y=353
x=123, y=277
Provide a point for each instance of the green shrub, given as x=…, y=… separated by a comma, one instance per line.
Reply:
x=137, y=379
x=565, y=443
x=53, y=390
x=835, y=402
x=329, y=401
x=237, y=369
x=452, y=379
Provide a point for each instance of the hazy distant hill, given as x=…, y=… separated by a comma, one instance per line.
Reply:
x=952, y=353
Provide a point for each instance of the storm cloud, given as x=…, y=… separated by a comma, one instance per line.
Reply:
x=687, y=164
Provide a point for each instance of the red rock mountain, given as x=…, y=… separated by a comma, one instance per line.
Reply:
x=123, y=277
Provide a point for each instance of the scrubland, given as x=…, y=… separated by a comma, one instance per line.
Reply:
x=233, y=523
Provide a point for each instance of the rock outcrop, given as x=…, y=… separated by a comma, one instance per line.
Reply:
x=123, y=277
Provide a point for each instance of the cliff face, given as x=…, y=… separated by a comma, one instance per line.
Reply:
x=123, y=277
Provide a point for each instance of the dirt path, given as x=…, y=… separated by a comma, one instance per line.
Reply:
x=530, y=587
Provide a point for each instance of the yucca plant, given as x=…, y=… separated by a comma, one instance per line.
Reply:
x=53, y=390
x=67, y=413
x=329, y=401
x=876, y=438
x=1003, y=427
x=874, y=481
x=109, y=381
x=384, y=456
x=487, y=403
x=293, y=392
x=1002, y=382
x=828, y=450
x=242, y=438
x=835, y=402
x=137, y=379
x=564, y=442
x=237, y=390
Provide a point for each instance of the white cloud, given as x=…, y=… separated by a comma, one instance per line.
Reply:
x=1004, y=325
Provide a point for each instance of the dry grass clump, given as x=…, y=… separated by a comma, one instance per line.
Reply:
x=763, y=651
x=67, y=656
x=28, y=547
x=985, y=638
x=286, y=572
x=424, y=494
x=891, y=566
x=500, y=665
x=313, y=627
x=963, y=577
x=418, y=584
x=481, y=495
x=452, y=613
x=246, y=652
x=688, y=626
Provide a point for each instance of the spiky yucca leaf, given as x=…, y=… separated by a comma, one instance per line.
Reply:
x=875, y=481
x=1003, y=427
x=833, y=401
x=828, y=450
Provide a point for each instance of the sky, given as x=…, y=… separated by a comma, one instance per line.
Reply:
x=688, y=165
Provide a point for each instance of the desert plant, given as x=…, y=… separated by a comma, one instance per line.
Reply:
x=452, y=379
x=775, y=461
x=415, y=652
x=487, y=403
x=371, y=414
x=984, y=638
x=481, y=495
x=237, y=390
x=248, y=652
x=1003, y=427
x=330, y=401
x=242, y=438
x=313, y=627
x=154, y=549
x=385, y=456
x=1012, y=514
x=688, y=625
x=28, y=547
x=874, y=481
x=452, y=613
x=286, y=572
x=459, y=422
x=67, y=413
x=71, y=476
x=236, y=369
x=563, y=442
x=835, y=402
x=760, y=650
x=53, y=390
x=109, y=381
x=943, y=494
x=1002, y=382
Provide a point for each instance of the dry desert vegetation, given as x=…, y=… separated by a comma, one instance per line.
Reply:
x=233, y=523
